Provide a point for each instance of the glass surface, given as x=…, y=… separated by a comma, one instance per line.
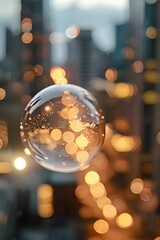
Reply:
x=63, y=128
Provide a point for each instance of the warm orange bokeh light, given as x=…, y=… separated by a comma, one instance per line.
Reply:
x=27, y=37
x=137, y=185
x=124, y=220
x=111, y=74
x=92, y=177
x=101, y=226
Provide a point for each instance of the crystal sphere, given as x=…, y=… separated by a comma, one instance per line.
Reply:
x=63, y=128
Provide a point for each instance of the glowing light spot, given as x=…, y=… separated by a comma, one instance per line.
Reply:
x=124, y=220
x=111, y=74
x=45, y=193
x=151, y=97
x=92, y=177
x=103, y=201
x=97, y=190
x=26, y=25
x=151, y=32
x=57, y=73
x=27, y=37
x=71, y=148
x=20, y=163
x=76, y=125
x=122, y=143
x=73, y=31
x=129, y=53
x=101, y=226
x=68, y=136
x=64, y=113
x=45, y=210
x=61, y=80
x=137, y=185
x=109, y=211
x=27, y=151
x=81, y=141
x=146, y=195
x=68, y=99
x=2, y=93
x=73, y=112
x=56, y=134
x=82, y=156
x=123, y=90
x=47, y=108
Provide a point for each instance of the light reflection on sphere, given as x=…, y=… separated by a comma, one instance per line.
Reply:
x=63, y=128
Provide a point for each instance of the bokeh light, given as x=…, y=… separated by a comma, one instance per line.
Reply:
x=92, y=177
x=2, y=93
x=137, y=185
x=151, y=32
x=111, y=74
x=63, y=140
x=101, y=226
x=124, y=220
x=72, y=31
x=20, y=163
x=109, y=211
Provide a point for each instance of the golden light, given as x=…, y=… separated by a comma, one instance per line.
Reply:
x=20, y=163
x=5, y=167
x=137, y=185
x=111, y=74
x=108, y=131
x=122, y=143
x=151, y=32
x=1, y=143
x=73, y=31
x=71, y=148
x=27, y=37
x=45, y=210
x=122, y=124
x=29, y=76
x=47, y=108
x=68, y=136
x=27, y=151
x=103, y=201
x=26, y=25
x=92, y=177
x=98, y=190
x=68, y=99
x=137, y=66
x=109, y=211
x=45, y=193
x=82, y=156
x=58, y=75
x=73, y=112
x=81, y=141
x=124, y=220
x=151, y=76
x=123, y=90
x=56, y=134
x=76, y=125
x=101, y=226
x=82, y=191
x=151, y=97
x=2, y=93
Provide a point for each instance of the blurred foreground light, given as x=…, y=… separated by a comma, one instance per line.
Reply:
x=151, y=97
x=111, y=74
x=122, y=124
x=73, y=31
x=146, y=194
x=20, y=163
x=103, y=201
x=29, y=76
x=123, y=91
x=26, y=25
x=27, y=37
x=123, y=143
x=124, y=220
x=58, y=75
x=2, y=93
x=5, y=167
x=38, y=69
x=92, y=177
x=101, y=226
x=137, y=66
x=128, y=53
x=45, y=210
x=98, y=190
x=151, y=32
x=109, y=211
x=45, y=193
x=82, y=191
x=137, y=185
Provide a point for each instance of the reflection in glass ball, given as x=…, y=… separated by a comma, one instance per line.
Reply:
x=63, y=128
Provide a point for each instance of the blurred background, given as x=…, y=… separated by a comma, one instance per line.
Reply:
x=111, y=48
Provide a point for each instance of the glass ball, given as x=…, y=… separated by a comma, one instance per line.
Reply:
x=63, y=128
